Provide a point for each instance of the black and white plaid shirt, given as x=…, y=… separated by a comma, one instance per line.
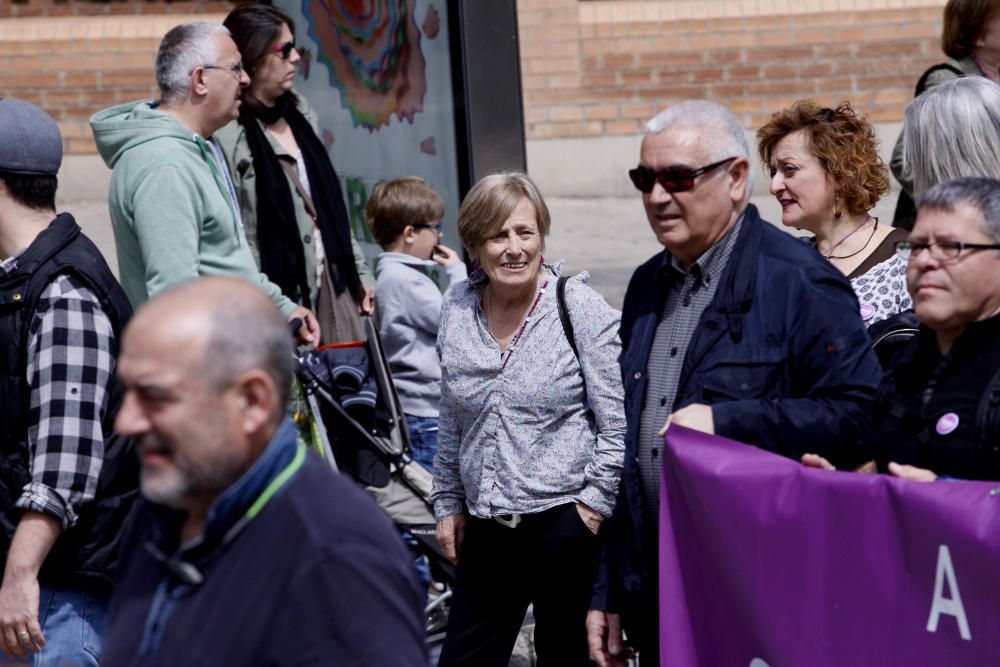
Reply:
x=70, y=363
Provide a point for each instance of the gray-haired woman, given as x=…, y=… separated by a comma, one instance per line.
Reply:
x=531, y=437
x=953, y=130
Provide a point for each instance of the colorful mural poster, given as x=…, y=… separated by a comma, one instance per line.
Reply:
x=378, y=72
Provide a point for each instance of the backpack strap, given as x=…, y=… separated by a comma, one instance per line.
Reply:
x=988, y=412
x=922, y=83
x=891, y=335
x=567, y=324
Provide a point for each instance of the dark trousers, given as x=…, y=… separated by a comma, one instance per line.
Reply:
x=549, y=560
x=642, y=621
x=643, y=634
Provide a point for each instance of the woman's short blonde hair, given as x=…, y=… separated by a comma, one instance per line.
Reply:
x=491, y=202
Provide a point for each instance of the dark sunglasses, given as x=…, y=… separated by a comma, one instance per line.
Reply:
x=284, y=49
x=673, y=179
x=436, y=227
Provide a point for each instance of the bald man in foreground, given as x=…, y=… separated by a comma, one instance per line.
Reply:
x=247, y=549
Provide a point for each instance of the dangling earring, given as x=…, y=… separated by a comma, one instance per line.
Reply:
x=836, y=206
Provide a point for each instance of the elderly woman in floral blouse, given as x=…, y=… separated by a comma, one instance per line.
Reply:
x=531, y=434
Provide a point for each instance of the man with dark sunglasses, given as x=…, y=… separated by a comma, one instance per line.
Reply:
x=736, y=328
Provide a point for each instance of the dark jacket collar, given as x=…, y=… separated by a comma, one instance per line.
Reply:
x=970, y=343
x=60, y=232
x=740, y=276
x=732, y=298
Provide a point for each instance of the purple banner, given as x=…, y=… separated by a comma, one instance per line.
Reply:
x=766, y=563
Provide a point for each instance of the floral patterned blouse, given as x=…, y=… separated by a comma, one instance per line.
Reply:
x=882, y=290
x=531, y=427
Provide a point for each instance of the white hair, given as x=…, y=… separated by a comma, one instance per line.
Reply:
x=952, y=130
x=721, y=133
x=184, y=48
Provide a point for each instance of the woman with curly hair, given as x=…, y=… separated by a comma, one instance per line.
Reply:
x=827, y=176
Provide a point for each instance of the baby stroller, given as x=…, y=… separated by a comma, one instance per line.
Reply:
x=351, y=415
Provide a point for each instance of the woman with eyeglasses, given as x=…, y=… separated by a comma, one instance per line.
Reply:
x=827, y=175
x=531, y=440
x=293, y=209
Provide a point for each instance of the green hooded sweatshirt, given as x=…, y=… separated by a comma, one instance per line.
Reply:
x=171, y=210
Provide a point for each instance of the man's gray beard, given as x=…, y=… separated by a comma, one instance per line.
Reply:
x=172, y=495
x=184, y=486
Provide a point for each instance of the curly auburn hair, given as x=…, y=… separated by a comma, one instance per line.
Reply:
x=842, y=141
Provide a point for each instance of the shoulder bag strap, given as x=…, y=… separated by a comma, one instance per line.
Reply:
x=922, y=83
x=568, y=327
x=567, y=324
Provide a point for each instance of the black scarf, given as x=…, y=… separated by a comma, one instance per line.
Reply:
x=282, y=255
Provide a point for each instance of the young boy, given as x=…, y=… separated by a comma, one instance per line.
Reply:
x=405, y=219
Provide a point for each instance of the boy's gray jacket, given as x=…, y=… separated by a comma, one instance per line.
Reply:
x=409, y=313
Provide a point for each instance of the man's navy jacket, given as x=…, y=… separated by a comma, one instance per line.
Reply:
x=782, y=355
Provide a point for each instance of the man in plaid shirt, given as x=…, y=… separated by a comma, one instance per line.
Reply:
x=66, y=479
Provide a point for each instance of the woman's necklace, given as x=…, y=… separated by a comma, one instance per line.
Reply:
x=854, y=231
x=490, y=320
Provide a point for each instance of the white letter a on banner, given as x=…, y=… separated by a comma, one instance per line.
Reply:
x=942, y=605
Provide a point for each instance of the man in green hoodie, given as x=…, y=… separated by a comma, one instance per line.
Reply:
x=173, y=207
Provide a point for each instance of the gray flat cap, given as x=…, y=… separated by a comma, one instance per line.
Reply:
x=30, y=142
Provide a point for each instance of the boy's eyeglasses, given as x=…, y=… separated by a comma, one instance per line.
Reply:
x=673, y=179
x=436, y=228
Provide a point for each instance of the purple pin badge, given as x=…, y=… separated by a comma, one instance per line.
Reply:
x=947, y=423
x=867, y=311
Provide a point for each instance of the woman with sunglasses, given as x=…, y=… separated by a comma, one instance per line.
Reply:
x=827, y=175
x=293, y=209
x=531, y=440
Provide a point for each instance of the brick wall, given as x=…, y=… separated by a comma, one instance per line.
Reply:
x=75, y=58
x=36, y=8
x=602, y=68
x=589, y=68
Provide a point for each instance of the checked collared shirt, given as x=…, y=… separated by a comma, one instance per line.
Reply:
x=69, y=366
x=689, y=293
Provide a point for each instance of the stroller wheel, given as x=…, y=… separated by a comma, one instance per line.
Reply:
x=436, y=612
